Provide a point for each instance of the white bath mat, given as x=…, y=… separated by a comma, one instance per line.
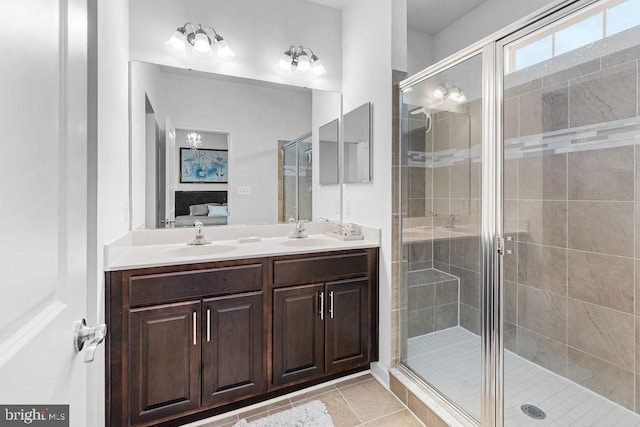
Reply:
x=312, y=414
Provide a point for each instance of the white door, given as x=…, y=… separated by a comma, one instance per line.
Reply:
x=43, y=193
x=171, y=178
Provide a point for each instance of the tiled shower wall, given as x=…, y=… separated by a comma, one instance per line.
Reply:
x=572, y=205
x=442, y=173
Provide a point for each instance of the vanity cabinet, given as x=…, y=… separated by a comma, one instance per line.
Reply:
x=187, y=342
x=320, y=329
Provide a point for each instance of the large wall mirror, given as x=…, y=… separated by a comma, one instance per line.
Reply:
x=217, y=148
x=357, y=144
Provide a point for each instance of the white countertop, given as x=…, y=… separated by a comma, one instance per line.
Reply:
x=155, y=248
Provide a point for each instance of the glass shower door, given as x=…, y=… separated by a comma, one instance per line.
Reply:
x=440, y=239
x=570, y=131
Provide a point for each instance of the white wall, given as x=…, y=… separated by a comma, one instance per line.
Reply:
x=255, y=116
x=399, y=35
x=257, y=31
x=482, y=21
x=366, y=73
x=326, y=198
x=210, y=140
x=420, y=51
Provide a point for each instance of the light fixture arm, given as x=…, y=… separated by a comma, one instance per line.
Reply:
x=216, y=37
x=193, y=27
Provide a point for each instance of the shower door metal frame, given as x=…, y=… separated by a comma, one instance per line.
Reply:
x=295, y=142
x=492, y=349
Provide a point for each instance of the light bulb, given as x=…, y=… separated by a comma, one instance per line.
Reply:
x=201, y=45
x=439, y=92
x=223, y=50
x=456, y=95
x=317, y=68
x=285, y=62
x=303, y=63
x=178, y=40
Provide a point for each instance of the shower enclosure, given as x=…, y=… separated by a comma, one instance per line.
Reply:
x=519, y=228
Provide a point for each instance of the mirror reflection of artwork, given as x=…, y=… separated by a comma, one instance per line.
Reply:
x=204, y=166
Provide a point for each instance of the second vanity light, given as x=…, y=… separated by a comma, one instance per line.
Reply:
x=299, y=60
x=199, y=40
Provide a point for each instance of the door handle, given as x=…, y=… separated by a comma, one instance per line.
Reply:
x=195, y=330
x=331, y=304
x=82, y=334
x=321, y=305
x=208, y=324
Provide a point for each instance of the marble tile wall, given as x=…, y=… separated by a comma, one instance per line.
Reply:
x=432, y=302
x=572, y=277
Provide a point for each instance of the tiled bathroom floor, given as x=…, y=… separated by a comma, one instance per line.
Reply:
x=359, y=401
x=450, y=361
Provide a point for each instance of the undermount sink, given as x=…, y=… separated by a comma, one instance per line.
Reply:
x=199, y=251
x=305, y=242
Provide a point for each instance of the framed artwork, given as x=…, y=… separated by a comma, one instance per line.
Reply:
x=204, y=166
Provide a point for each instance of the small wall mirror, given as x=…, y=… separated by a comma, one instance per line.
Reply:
x=329, y=151
x=357, y=144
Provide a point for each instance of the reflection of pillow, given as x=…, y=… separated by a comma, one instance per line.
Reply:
x=218, y=211
x=199, y=210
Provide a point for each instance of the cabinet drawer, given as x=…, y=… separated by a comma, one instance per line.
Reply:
x=319, y=269
x=170, y=287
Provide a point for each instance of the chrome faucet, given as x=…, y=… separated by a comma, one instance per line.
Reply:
x=299, y=232
x=450, y=222
x=199, y=239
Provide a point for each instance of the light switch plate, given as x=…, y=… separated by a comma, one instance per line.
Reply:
x=244, y=190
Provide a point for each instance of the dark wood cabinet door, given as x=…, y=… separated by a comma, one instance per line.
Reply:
x=298, y=333
x=164, y=361
x=232, y=349
x=347, y=324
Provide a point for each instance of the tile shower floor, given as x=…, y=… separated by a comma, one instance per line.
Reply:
x=450, y=361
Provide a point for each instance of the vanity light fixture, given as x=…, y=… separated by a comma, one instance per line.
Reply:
x=199, y=40
x=299, y=59
x=194, y=140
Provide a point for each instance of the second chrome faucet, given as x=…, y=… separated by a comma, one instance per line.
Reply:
x=300, y=232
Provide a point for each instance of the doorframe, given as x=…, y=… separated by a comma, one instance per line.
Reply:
x=96, y=371
x=492, y=305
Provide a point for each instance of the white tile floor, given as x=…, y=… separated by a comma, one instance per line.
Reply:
x=450, y=361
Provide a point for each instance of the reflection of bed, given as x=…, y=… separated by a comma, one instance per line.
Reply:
x=186, y=199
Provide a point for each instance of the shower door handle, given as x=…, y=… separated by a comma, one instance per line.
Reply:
x=502, y=245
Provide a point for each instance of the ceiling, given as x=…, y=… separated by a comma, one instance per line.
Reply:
x=427, y=16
